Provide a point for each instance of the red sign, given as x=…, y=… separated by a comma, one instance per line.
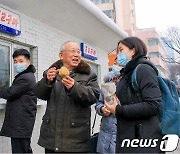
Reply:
x=9, y=22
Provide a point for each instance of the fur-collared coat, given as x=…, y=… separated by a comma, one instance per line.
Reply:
x=66, y=123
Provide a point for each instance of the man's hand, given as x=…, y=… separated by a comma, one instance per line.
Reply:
x=105, y=111
x=51, y=74
x=68, y=82
x=112, y=108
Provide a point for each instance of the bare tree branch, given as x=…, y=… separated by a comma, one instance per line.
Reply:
x=172, y=38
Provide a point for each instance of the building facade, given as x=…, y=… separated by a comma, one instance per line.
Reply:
x=156, y=50
x=42, y=30
x=122, y=12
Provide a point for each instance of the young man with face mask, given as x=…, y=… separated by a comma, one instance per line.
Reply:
x=21, y=104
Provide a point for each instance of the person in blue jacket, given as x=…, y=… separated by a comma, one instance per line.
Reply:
x=107, y=135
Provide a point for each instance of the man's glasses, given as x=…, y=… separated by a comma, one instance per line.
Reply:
x=74, y=51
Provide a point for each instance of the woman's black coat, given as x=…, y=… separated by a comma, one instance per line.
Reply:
x=21, y=105
x=138, y=115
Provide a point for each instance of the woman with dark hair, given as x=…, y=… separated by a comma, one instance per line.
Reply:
x=138, y=112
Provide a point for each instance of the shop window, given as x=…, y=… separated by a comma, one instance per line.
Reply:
x=4, y=65
x=5, y=68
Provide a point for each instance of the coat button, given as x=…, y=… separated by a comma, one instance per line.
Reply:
x=57, y=149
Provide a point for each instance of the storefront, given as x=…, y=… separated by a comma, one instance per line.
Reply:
x=43, y=27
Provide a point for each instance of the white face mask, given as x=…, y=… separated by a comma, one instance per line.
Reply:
x=122, y=59
x=116, y=70
x=18, y=68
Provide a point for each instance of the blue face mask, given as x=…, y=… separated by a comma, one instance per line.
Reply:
x=18, y=68
x=122, y=59
x=116, y=70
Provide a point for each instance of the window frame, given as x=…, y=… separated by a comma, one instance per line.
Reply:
x=152, y=41
x=12, y=46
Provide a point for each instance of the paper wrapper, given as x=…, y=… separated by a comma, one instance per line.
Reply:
x=108, y=90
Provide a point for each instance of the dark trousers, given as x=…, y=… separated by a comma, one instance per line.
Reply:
x=21, y=145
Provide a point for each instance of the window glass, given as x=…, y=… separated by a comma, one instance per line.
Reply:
x=106, y=1
x=4, y=66
x=152, y=41
x=109, y=13
x=96, y=1
x=153, y=54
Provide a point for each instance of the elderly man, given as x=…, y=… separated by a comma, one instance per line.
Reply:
x=66, y=123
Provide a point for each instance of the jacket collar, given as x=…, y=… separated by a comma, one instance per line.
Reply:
x=30, y=68
x=83, y=67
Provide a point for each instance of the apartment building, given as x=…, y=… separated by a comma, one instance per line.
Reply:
x=122, y=12
x=156, y=50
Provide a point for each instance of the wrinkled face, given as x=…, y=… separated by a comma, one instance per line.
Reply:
x=123, y=48
x=21, y=60
x=71, y=56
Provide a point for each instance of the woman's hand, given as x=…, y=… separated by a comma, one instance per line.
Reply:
x=105, y=111
x=112, y=108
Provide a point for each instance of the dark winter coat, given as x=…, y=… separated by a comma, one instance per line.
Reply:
x=138, y=115
x=66, y=123
x=21, y=105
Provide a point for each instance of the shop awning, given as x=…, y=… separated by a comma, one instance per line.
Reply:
x=79, y=18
